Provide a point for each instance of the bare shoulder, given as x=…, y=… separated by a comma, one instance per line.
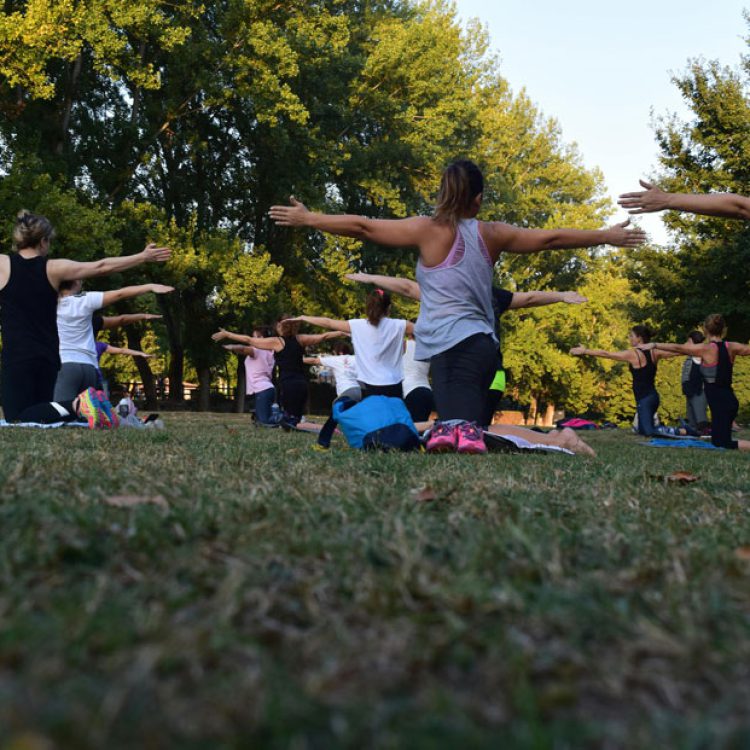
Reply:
x=4, y=270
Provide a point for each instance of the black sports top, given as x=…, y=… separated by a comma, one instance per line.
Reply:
x=289, y=359
x=644, y=378
x=501, y=299
x=719, y=374
x=28, y=312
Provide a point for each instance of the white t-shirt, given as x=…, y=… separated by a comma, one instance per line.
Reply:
x=344, y=368
x=74, y=327
x=416, y=372
x=379, y=350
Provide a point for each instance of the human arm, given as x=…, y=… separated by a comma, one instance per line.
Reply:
x=409, y=330
x=500, y=237
x=311, y=360
x=394, y=232
x=582, y=351
x=653, y=199
x=395, y=284
x=738, y=350
x=128, y=292
x=274, y=343
x=314, y=320
x=123, y=350
x=540, y=299
x=61, y=269
x=115, y=321
x=247, y=351
x=313, y=339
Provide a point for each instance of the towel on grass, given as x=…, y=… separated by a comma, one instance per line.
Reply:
x=680, y=443
x=40, y=426
x=515, y=444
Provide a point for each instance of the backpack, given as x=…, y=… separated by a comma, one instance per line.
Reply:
x=375, y=423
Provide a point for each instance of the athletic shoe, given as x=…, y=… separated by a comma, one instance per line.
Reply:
x=470, y=438
x=442, y=438
x=689, y=430
x=89, y=409
x=111, y=420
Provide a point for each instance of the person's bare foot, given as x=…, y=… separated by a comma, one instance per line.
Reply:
x=570, y=440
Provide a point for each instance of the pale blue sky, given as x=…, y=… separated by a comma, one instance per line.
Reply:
x=600, y=67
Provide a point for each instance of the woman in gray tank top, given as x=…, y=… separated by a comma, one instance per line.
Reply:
x=455, y=270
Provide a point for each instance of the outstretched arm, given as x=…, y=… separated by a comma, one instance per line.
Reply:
x=273, y=343
x=314, y=320
x=115, y=321
x=500, y=237
x=395, y=284
x=653, y=199
x=691, y=350
x=60, y=269
x=313, y=339
x=739, y=350
x=311, y=360
x=394, y=232
x=123, y=350
x=247, y=351
x=128, y=292
x=540, y=299
x=582, y=351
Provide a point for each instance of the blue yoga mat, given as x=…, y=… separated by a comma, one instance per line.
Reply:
x=683, y=443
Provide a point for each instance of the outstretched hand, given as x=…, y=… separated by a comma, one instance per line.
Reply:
x=362, y=278
x=647, y=347
x=646, y=201
x=573, y=298
x=293, y=215
x=161, y=289
x=151, y=316
x=155, y=254
x=144, y=355
x=578, y=351
x=220, y=335
x=620, y=236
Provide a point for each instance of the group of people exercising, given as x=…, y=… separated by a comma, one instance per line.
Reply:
x=451, y=356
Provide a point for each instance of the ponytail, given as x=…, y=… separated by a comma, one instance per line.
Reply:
x=30, y=229
x=715, y=325
x=461, y=183
x=378, y=305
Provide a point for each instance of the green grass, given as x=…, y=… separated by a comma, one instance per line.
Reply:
x=288, y=598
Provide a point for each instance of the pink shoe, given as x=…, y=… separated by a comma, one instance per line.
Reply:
x=470, y=438
x=442, y=438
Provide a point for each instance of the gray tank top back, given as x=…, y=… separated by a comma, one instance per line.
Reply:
x=456, y=296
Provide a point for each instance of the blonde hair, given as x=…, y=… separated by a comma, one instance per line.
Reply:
x=30, y=229
x=461, y=183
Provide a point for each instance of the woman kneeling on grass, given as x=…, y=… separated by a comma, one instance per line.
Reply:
x=642, y=363
x=717, y=361
x=378, y=342
x=289, y=349
x=457, y=253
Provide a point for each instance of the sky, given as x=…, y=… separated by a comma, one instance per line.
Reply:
x=600, y=67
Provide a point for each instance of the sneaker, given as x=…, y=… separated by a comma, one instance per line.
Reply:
x=470, y=438
x=689, y=430
x=442, y=438
x=89, y=409
x=111, y=420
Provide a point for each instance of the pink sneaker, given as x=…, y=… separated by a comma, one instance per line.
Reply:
x=442, y=438
x=470, y=438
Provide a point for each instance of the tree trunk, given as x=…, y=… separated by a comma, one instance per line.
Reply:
x=147, y=377
x=239, y=399
x=176, y=354
x=549, y=416
x=531, y=417
x=68, y=106
x=204, y=388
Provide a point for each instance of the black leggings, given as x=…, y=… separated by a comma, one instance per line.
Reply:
x=420, y=402
x=26, y=384
x=392, y=391
x=461, y=378
x=724, y=408
x=47, y=414
x=293, y=396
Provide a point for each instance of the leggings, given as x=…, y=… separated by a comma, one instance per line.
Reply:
x=724, y=408
x=26, y=384
x=420, y=402
x=461, y=378
x=47, y=414
x=393, y=391
x=646, y=407
x=74, y=378
x=294, y=395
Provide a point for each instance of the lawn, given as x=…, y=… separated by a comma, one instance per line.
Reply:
x=282, y=598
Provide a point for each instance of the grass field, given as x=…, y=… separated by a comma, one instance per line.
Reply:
x=282, y=598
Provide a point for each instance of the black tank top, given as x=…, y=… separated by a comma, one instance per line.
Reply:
x=28, y=312
x=289, y=359
x=644, y=378
x=719, y=374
